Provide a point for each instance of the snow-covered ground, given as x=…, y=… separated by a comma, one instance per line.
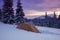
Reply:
x=9, y=32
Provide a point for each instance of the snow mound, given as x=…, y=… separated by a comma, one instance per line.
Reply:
x=47, y=30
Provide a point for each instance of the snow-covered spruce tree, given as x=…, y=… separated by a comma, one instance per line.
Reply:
x=19, y=13
x=58, y=22
x=0, y=14
x=59, y=17
x=54, y=15
x=46, y=15
x=8, y=13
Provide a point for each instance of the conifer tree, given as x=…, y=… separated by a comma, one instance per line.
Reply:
x=8, y=13
x=46, y=15
x=54, y=19
x=54, y=15
x=46, y=18
x=0, y=15
x=58, y=22
x=59, y=17
x=19, y=13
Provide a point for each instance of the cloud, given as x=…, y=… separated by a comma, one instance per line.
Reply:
x=33, y=13
x=41, y=5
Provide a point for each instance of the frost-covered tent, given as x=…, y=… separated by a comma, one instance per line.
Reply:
x=29, y=26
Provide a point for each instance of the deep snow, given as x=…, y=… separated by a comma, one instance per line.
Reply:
x=9, y=32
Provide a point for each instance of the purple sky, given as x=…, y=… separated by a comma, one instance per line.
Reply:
x=41, y=5
x=36, y=6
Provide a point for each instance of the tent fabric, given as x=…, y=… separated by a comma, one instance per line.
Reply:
x=29, y=26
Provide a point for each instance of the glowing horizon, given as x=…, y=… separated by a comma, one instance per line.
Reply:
x=31, y=13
